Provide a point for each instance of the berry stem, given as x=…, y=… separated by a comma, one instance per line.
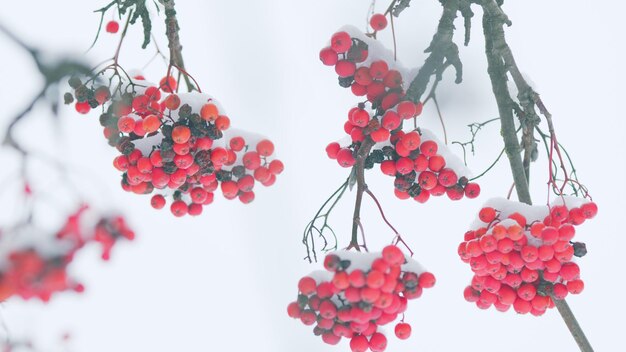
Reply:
x=398, y=238
x=500, y=61
x=308, y=239
x=119, y=45
x=359, y=170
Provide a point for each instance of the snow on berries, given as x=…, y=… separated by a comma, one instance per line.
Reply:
x=178, y=145
x=421, y=165
x=523, y=255
x=357, y=293
x=34, y=264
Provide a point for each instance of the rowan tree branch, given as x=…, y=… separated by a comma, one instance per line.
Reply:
x=172, y=30
x=500, y=61
x=359, y=169
x=441, y=49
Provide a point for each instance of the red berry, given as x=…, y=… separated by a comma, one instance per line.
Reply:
x=429, y=148
x=345, y=158
x=265, y=147
x=560, y=291
x=172, y=102
x=379, y=69
x=426, y=280
x=276, y=167
x=112, y=27
x=195, y=209
x=330, y=338
x=380, y=135
x=575, y=287
x=230, y=189
x=378, y=22
x=251, y=160
x=181, y=134
x=404, y=166
x=341, y=42
x=126, y=124
x=487, y=214
x=359, y=343
x=307, y=285
x=393, y=79
x=345, y=68
x=472, y=190
x=82, y=108
x=328, y=56
x=179, y=208
x=378, y=342
x=411, y=140
x=168, y=84
x=157, y=201
x=447, y=177
x=589, y=210
x=293, y=310
x=403, y=331
x=436, y=163
x=393, y=255
x=391, y=120
x=209, y=112
x=407, y=109
x=427, y=180
x=222, y=123
x=362, y=76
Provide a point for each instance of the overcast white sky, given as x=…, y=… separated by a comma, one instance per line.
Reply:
x=222, y=281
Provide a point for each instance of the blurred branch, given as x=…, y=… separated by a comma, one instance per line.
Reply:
x=53, y=71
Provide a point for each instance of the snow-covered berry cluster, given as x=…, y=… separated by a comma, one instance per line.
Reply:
x=420, y=164
x=357, y=293
x=179, y=144
x=522, y=255
x=33, y=265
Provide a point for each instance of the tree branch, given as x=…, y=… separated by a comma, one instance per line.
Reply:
x=501, y=61
x=494, y=35
x=441, y=48
x=173, y=39
x=359, y=169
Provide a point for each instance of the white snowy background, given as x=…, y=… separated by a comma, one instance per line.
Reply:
x=222, y=281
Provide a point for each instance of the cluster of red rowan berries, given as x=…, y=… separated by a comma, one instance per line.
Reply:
x=179, y=144
x=414, y=157
x=522, y=255
x=38, y=270
x=357, y=293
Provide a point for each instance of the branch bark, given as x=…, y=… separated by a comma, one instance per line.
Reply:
x=441, y=48
x=500, y=61
x=359, y=169
x=173, y=38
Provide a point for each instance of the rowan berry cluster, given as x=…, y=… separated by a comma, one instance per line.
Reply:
x=357, y=293
x=522, y=255
x=179, y=144
x=420, y=165
x=33, y=269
